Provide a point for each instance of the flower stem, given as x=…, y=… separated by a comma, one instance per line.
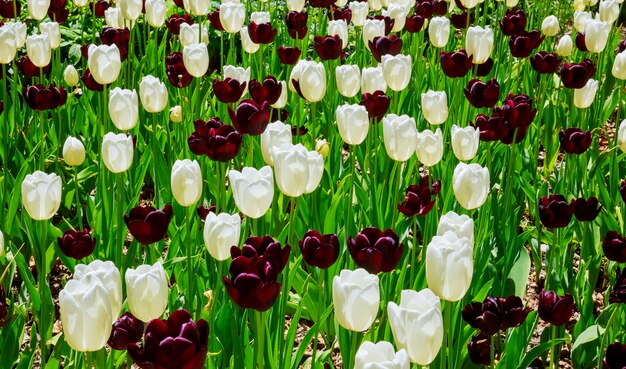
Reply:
x=43, y=283
x=259, y=344
x=553, y=355
x=190, y=286
x=119, y=245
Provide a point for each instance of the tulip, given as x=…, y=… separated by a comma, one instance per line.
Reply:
x=8, y=45
x=268, y=91
x=373, y=78
x=298, y=171
x=118, y=37
x=117, y=152
x=522, y=44
x=586, y=210
x=495, y=314
x=177, y=342
x=328, y=48
x=554, y=211
x=319, y=250
x=106, y=273
x=19, y=30
x=356, y=298
x=146, y=289
x=576, y=75
x=175, y=21
x=545, y=63
x=359, y=12
x=435, y=106
x=619, y=66
x=295, y=5
x=418, y=198
x=126, y=330
x=253, y=190
x=596, y=35
x=609, y=10
x=308, y=79
x=555, y=309
x=265, y=248
x=237, y=73
x=296, y=23
x=41, y=195
x=73, y=152
x=417, y=325
x=398, y=14
x=517, y=114
x=338, y=28
x=113, y=18
x=429, y=147
x=583, y=97
x=353, y=123
x=449, y=266
x=260, y=28
x=439, y=31
x=196, y=59
x=574, y=140
x=104, y=63
x=455, y=64
x=614, y=247
x=131, y=9
x=615, y=357
x=276, y=134
x=414, y=23
x=376, y=104
x=396, y=71
x=85, y=314
x=479, y=43
x=618, y=291
x=218, y=141
x=229, y=90
x=176, y=72
x=465, y=142
x=156, y=11
x=550, y=26
x=621, y=136
x=471, y=185
x=383, y=45
x=371, y=29
x=191, y=34
x=482, y=94
x=147, y=224
x=153, y=94
x=197, y=7
x=380, y=356
x=38, y=48
x=232, y=16
x=39, y=97
x=38, y=9
x=461, y=225
x=220, y=233
x=250, y=117
x=70, y=76
x=76, y=245
x=400, y=136
x=513, y=22
x=51, y=29
x=123, y=108
x=348, y=79
x=376, y=251
x=186, y=182
x=288, y=55
x=565, y=45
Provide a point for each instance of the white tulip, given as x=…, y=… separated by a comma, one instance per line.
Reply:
x=359, y=12
x=371, y=29
x=38, y=9
x=247, y=44
x=54, y=33
x=197, y=7
x=73, y=152
x=114, y=18
x=131, y=9
x=550, y=26
x=186, y=182
x=565, y=46
x=479, y=43
x=439, y=31
x=117, y=152
x=356, y=297
x=41, y=195
x=275, y=135
x=348, y=78
x=621, y=136
x=373, y=79
x=156, y=12
x=449, y=266
x=123, y=108
x=196, y=59
x=397, y=70
x=153, y=94
x=429, y=147
x=109, y=276
x=146, y=288
x=353, y=123
x=232, y=16
x=597, y=35
x=400, y=134
x=190, y=34
x=311, y=77
x=435, y=106
x=609, y=10
x=398, y=14
x=470, y=183
x=220, y=233
x=8, y=45
x=39, y=50
x=339, y=28
x=583, y=97
x=104, y=63
x=253, y=190
x=465, y=142
x=380, y=356
x=461, y=225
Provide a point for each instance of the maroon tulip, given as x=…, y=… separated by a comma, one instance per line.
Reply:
x=622, y=190
x=328, y=47
x=299, y=131
x=10, y=8
x=288, y=55
x=615, y=357
x=618, y=291
x=321, y=3
x=126, y=330
x=461, y=20
x=214, y=18
x=176, y=72
x=229, y=90
x=440, y=7
x=340, y=14
x=523, y=44
x=383, y=45
x=30, y=70
x=482, y=70
x=319, y=250
x=214, y=139
x=266, y=247
x=424, y=9
x=175, y=343
x=545, y=63
x=147, y=224
x=278, y=114
x=84, y=51
x=455, y=64
x=89, y=82
x=517, y=114
x=614, y=247
x=297, y=24
x=555, y=211
x=513, y=22
x=1, y=103
x=479, y=349
x=514, y=312
x=555, y=309
x=620, y=47
x=99, y=7
x=580, y=42
x=418, y=199
x=250, y=117
x=118, y=37
x=203, y=211
x=261, y=33
x=576, y=75
x=179, y=3
x=173, y=24
x=490, y=128
x=575, y=140
x=495, y=314
x=389, y=22
x=252, y=283
x=39, y=97
x=376, y=104
x=77, y=245
x=586, y=210
x=60, y=16
x=482, y=94
x=414, y=23
x=4, y=308
x=376, y=251
x=267, y=92
x=57, y=5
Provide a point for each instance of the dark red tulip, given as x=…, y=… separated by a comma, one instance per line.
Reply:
x=555, y=211
x=267, y=92
x=297, y=24
x=250, y=117
x=177, y=342
x=288, y=55
x=147, y=224
x=414, y=23
x=495, y=314
x=60, y=16
x=126, y=330
x=383, y=45
x=99, y=7
x=514, y=312
x=229, y=90
x=490, y=128
x=424, y=9
x=455, y=64
x=513, y=22
x=10, y=8
x=214, y=139
x=545, y=63
x=482, y=94
x=57, y=5
x=389, y=22
x=622, y=190
x=214, y=18
x=586, y=210
x=517, y=114
x=555, y=309
x=523, y=44
x=618, y=291
x=77, y=245
x=4, y=308
x=173, y=24
x=118, y=37
x=279, y=114
x=479, y=349
x=620, y=47
x=482, y=70
x=575, y=140
x=440, y=7
x=614, y=247
x=261, y=33
x=179, y=3
x=89, y=82
x=376, y=103
x=340, y=14
x=328, y=47
x=84, y=51
x=576, y=75
x=30, y=70
x=299, y=131
x=376, y=251
x=319, y=250
x=176, y=72
x=580, y=42
x=39, y=97
x=267, y=247
x=321, y=3
x=1, y=103
x=461, y=20
x=419, y=199
x=615, y=357
x=252, y=283
x=203, y=211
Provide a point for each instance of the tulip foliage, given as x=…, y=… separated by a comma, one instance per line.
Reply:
x=314, y=184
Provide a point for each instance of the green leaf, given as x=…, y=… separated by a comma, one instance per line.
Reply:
x=589, y=335
x=519, y=273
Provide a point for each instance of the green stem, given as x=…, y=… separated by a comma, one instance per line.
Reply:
x=119, y=244
x=79, y=211
x=190, y=287
x=492, y=352
x=42, y=140
x=554, y=362
x=259, y=344
x=5, y=135
x=43, y=284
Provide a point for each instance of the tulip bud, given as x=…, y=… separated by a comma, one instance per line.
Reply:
x=123, y=108
x=400, y=135
x=297, y=170
x=373, y=79
x=156, y=12
x=295, y=5
x=232, y=16
x=275, y=135
x=465, y=142
x=417, y=325
x=308, y=79
x=339, y=28
x=348, y=78
x=322, y=147
x=619, y=66
x=449, y=266
x=19, y=30
x=146, y=289
x=70, y=75
x=353, y=123
x=471, y=185
x=359, y=12
x=41, y=195
x=220, y=233
x=73, y=152
x=39, y=50
x=356, y=297
x=282, y=99
x=429, y=147
x=8, y=45
x=197, y=7
x=196, y=59
x=609, y=10
x=153, y=94
x=479, y=43
x=114, y=18
x=52, y=30
x=597, y=35
x=555, y=309
x=176, y=114
x=550, y=26
x=371, y=29
x=117, y=152
x=461, y=225
x=104, y=63
x=380, y=356
x=583, y=97
x=621, y=136
x=127, y=329
x=396, y=71
x=253, y=190
x=565, y=46
x=246, y=42
x=38, y=9
x=439, y=31
x=435, y=106
x=106, y=273
x=190, y=34
x=186, y=182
